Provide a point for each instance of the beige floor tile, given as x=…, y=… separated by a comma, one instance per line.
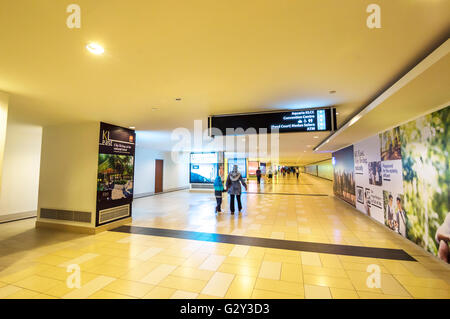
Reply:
x=264, y=294
x=324, y=271
x=291, y=272
x=155, y=276
x=239, y=269
x=390, y=286
x=372, y=295
x=239, y=251
x=89, y=288
x=317, y=292
x=311, y=259
x=427, y=293
x=207, y=297
x=138, y=273
x=270, y=270
x=23, y=294
x=212, y=263
x=160, y=293
x=218, y=284
x=8, y=290
x=129, y=288
x=241, y=287
x=193, y=273
x=181, y=283
x=37, y=283
x=78, y=260
x=180, y=294
x=406, y=280
x=320, y=280
x=339, y=293
x=104, y=294
x=279, y=286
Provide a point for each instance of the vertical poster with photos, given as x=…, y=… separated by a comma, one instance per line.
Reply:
x=368, y=178
x=115, y=174
x=344, y=182
x=392, y=180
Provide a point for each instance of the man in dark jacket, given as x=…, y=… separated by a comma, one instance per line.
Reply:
x=258, y=175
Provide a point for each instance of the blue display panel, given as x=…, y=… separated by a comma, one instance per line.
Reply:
x=203, y=167
x=241, y=163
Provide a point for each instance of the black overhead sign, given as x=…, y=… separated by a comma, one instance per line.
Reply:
x=305, y=120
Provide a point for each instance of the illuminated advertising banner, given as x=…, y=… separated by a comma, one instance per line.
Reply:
x=241, y=163
x=203, y=167
x=263, y=168
x=115, y=175
x=306, y=120
x=252, y=167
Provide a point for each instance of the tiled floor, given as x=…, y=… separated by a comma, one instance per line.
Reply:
x=33, y=263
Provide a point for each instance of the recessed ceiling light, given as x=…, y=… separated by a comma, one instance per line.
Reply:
x=316, y=136
x=132, y=127
x=332, y=92
x=95, y=48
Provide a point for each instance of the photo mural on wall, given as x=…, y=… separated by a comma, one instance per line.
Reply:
x=402, y=178
x=344, y=181
x=426, y=180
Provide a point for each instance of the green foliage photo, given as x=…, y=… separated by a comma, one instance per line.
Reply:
x=426, y=176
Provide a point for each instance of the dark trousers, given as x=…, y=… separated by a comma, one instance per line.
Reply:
x=259, y=179
x=219, y=204
x=238, y=197
x=297, y=175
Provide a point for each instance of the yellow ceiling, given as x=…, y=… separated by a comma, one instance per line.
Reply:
x=218, y=56
x=426, y=93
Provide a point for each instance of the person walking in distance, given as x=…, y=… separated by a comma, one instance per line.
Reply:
x=258, y=175
x=234, y=182
x=297, y=172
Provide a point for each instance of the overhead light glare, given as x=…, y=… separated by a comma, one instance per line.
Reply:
x=95, y=48
x=354, y=120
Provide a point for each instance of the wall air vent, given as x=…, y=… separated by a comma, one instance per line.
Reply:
x=110, y=214
x=202, y=186
x=68, y=215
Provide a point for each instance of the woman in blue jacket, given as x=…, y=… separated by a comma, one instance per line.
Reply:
x=218, y=190
x=234, y=182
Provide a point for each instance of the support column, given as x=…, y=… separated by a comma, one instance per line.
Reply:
x=4, y=98
x=68, y=178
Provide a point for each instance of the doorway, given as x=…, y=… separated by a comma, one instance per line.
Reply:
x=159, y=165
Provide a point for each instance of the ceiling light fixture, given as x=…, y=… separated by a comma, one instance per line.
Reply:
x=354, y=120
x=132, y=127
x=178, y=99
x=316, y=136
x=332, y=92
x=95, y=48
